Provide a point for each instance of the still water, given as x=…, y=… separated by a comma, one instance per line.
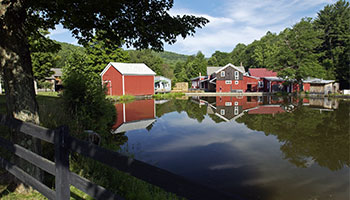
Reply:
x=256, y=147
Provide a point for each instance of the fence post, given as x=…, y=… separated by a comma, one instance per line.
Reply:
x=62, y=182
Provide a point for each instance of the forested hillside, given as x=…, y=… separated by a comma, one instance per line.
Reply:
x=318, y=47
x=314, y=47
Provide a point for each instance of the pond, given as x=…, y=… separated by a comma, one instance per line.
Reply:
x=256, y=147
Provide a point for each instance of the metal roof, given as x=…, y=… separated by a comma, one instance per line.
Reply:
x=134, y=125
x=317, y=81
x=262, y=72
x=130, y=68
x=231, y=65
x=274, y=79
x=212, y=70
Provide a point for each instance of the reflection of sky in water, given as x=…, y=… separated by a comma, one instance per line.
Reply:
x=233, y=158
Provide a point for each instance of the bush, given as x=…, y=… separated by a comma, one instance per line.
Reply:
x=84, y=97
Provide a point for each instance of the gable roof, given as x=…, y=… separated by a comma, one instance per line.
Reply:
x=317, y=81
x=129, y=68
x=211, y=70
x=231, y=65
x=262, y=72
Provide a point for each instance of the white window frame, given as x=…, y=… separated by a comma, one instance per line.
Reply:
x=236, y=82
x=236, y=75
x=222, y=111
x=228, y=103
x=236, y=110
x=228, y=82
x=236, y=103
x=222, y=73
x=261, y=84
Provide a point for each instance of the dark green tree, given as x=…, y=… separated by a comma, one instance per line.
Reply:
x=143, y=24
x=334, y=22
x=194, y=65
x=43, y=54
x=297, y=57
x=219, y=59
x=238, y=54
x=146, y=56
x=100, y=51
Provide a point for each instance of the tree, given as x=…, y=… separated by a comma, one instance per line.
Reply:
x=42, y=52
x=219, y=59
x=237, y=54
x=101, y=51
x=298, y=57
x=142, y=24
x=194, y=65
x=334, y=22
x=151, y=60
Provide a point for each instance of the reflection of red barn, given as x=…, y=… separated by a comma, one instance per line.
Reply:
x=245, y=102
x=128, y=79
x=135, y=115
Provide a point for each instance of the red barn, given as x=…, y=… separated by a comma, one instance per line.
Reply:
x=128, y=79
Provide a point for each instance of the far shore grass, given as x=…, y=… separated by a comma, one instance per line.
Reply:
x=129, y=98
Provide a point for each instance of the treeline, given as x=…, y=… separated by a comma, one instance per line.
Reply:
x=318, y=47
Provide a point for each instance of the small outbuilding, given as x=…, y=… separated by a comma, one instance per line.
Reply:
x=162, y=84
x=128, y=79
x=320, y=86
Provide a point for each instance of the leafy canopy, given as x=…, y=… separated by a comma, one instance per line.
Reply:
x=140, y=23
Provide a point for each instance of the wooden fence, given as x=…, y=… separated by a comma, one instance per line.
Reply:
x=66, y=144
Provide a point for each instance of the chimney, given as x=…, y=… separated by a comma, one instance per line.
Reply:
x=241, y=64
x=200, y=74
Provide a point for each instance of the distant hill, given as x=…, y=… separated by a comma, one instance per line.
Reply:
x=171, y=57
x=66, y=49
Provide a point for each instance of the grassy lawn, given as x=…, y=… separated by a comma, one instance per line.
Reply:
x=52, y=115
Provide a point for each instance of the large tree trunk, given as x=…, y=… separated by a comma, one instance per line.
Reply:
x=16, y=68
x=16, y=63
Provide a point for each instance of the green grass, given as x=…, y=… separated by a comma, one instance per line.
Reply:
x=123, y=99
x=168, y=95
x=51, y=94
x=53, y=115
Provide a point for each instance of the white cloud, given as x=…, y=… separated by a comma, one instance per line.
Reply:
x=243, y=21
x=58, y=30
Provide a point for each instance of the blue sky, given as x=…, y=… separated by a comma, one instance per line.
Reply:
x=231, y=22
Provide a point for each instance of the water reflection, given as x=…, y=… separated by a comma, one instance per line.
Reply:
x=258, y=147
x=134, y=115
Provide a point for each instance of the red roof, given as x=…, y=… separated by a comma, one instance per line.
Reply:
x=262, y=72
x=267, y=110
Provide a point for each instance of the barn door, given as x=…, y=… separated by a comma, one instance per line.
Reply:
x=108, y=84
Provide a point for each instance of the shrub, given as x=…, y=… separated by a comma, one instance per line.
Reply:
x=84, y=97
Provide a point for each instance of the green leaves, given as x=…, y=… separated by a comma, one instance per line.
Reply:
x=43, y=54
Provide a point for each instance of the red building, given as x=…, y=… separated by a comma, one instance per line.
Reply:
x=128, y=79
x=234, y=79
x=269, y=82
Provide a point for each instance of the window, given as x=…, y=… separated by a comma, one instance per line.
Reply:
x=236, y=75
x=260, y=84
x=222, y=73
x=228, y=82
x=222, y=111
x=236, y=111
x=236, y=103
x=228, y=103
x=236, y=82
